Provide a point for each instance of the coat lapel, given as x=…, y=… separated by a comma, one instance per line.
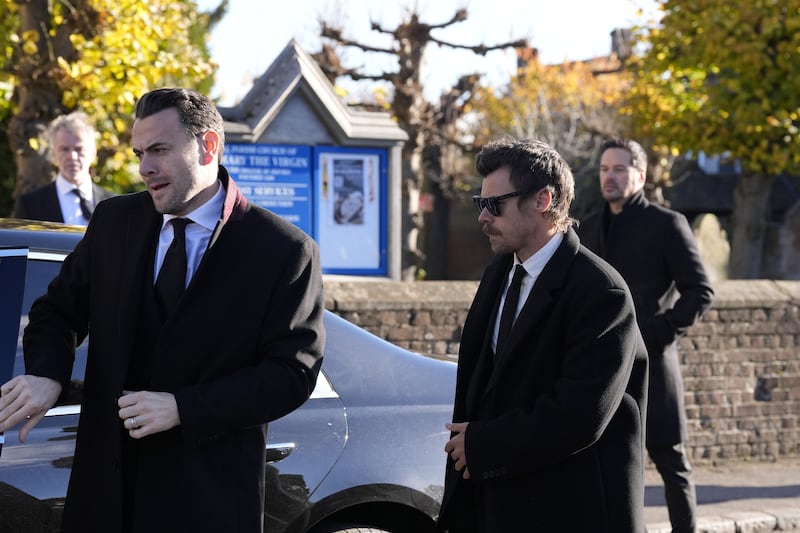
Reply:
x=138, y=241
x=540, y=300
x=484, y=366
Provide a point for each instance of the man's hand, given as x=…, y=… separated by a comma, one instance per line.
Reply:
x=144, y=413
x=26, y=398
x=456, y=447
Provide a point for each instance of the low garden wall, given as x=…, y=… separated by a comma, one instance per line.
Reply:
x=741, y=362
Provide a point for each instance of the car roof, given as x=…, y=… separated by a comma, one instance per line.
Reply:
x=44, y=236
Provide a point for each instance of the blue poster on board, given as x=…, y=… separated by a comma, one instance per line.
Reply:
x=274, y=176
x=13, y=264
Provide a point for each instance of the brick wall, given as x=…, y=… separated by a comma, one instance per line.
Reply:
x=741, y=363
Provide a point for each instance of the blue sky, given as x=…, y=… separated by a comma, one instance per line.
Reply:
x=255, y=31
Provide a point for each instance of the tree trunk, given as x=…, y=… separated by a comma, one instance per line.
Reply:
x=413, y=222
x=750, y=210
x=437, y=234
x=38, y=99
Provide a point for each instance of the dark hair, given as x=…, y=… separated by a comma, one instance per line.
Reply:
x=534, y=166
x=638, y=155
x=197, y=112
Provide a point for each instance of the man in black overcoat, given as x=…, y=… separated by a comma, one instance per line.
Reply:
x=548, y=422
x=178, y=390
x=655, y=251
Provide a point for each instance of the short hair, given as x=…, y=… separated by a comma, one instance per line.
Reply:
x=197, y=112
x=76, y=122
x=535, y=165
x=638, y=155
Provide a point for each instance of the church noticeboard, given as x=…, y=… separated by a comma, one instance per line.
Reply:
x=350, y=194
x=337, y=195
x=274, y=176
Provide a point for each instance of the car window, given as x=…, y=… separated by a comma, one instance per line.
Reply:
x=42, y=268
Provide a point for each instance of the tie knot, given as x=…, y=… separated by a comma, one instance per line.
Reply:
x=79, y=193
x=179, y=225
x=519, y=273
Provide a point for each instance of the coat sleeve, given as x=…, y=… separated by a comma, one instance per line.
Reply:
x=691, y=285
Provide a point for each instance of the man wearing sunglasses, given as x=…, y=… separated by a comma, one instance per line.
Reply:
x=655, y=251
x=548, y=420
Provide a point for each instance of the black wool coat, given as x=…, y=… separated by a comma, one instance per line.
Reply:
x=556, y=420
x=655, y=251
x=243, y=348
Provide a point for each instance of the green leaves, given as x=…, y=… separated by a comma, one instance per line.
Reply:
x=721, y=76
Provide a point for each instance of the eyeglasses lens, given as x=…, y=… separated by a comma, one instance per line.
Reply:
x=490, y=203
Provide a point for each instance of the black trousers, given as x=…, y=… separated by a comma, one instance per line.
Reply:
x=679, y=491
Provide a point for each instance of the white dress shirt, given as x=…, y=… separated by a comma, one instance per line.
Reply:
x=198, y=235
x=533, y=267
x=69, y=201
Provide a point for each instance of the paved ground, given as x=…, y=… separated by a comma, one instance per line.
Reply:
x=735, y=497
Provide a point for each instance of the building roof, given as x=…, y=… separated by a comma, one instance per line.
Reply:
x=294, y=81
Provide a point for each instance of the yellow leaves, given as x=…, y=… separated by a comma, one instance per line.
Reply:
x=29, y=40
x=69, y=100
x=30, y=35
x=30, y=48
x=132, y=46
x=119, y=124
x=77, y=40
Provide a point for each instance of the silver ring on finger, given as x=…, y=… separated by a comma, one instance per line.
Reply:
x=133, y=423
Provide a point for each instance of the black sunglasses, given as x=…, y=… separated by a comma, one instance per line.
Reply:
x=492, y=203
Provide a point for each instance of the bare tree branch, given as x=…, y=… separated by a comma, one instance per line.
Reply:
x=482, y=49
x=335, y=34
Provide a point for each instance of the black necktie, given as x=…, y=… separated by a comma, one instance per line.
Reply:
x=510, y=307
x=171, y=280
x=86, y=209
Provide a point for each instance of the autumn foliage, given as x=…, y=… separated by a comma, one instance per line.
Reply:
x=94, y=55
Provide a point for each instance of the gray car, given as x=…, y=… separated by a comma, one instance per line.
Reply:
x=364, y=453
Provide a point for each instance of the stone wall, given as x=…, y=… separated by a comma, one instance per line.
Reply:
x=741, y=362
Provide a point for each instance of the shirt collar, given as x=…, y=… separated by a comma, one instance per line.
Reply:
x=64, y=187
x=536, y=263
x=208, y=214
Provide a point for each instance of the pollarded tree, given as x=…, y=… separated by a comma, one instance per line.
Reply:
x=721, y=77
x=99, y=56
x=427, y=155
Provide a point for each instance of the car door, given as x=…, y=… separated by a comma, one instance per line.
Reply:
x=34, y=475
x=302, y=447
x=13, y=264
